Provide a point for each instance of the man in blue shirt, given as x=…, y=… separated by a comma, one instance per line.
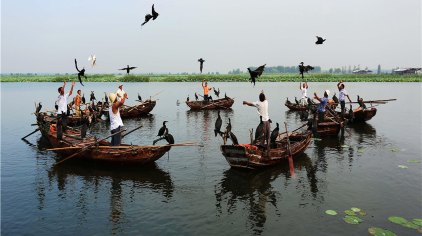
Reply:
x=322, y=104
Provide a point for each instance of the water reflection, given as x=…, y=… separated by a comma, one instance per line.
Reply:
x=87, y=183
x=256, y=189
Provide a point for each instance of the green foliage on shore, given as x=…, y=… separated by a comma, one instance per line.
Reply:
x=213, y=78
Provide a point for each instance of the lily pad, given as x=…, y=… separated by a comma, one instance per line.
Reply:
x=403, y=166
x=417, y=222
x=362, y=213
x=413, y=161
x=354, y=220
x=350, y=212
x=355, y=209
x=331, y=212
x=410, y=225
x=397, y=219
x=344, y=146
x=380, y=232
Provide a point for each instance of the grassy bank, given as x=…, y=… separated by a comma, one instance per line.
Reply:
x=214, y=78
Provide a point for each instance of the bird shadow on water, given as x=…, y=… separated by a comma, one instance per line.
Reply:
x=256, y=190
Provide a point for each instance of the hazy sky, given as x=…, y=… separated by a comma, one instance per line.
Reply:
x=44, y=36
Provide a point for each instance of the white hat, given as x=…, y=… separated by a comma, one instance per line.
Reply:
x=112, y=97
x=327, y=92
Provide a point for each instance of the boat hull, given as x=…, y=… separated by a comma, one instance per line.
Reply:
x=224, y=103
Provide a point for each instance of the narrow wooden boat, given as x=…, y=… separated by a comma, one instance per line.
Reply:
x=72, y=120
x=253, y=157
x=71, y=143
x=223, y=103
x=135, y=111
x=328, y=128
x=360, y=115
x=295, y=107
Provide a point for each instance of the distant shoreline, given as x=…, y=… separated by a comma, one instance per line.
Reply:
x=215, y=78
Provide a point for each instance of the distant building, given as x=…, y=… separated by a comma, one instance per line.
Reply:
x=407, y=71
x=359, y=71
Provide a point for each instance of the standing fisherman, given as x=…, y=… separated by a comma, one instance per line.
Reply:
x=206, y=90
x=62, y=104
x=77, y=103
x=342, y=97
x=304, y=88
x=262, y=106
x=322, y=104
x=120, y=92
x=115, y=119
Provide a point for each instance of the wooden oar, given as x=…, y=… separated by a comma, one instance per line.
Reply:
x=33, y=132
x=86, y=148
x=291, y=166
x=128, y=147
x=131, y=131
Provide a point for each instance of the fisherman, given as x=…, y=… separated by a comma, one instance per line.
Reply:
x=206, y=90
x=77, y=103
x=120, y=92
x=262, y=106
x=62, y=104
x=304, y=88
x=342, y=97
x=322, y=104
x=115, y=119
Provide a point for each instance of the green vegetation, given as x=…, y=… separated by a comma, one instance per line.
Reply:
x=214, y=78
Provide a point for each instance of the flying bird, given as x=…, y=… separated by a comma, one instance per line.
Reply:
x=320, y=40
x=303, y=68
x=152, y=16
x=128, y=69
x=256, y=73
x=93, y=60
x=81, y=73
x=201, y=64
x=216, y=92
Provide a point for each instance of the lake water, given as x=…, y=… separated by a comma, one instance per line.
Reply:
x=193, y=191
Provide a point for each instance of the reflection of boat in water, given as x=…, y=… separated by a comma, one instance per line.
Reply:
x=254, y=191
x=115, y=189
x=149, y=177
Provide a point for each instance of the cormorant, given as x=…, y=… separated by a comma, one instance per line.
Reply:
x=128, y=69
x=81, y=73
x=163, y=129
x=218, y=124
x=274, y=134
x=320, y=40
x=201, y=64
x=256, y=73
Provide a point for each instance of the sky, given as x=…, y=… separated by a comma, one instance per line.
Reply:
x=45, y=36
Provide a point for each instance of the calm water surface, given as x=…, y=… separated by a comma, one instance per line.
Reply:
x=193, y=191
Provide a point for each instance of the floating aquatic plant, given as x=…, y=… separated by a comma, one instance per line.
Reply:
x=417, y=222
x=355, y=209
x=413, y=161
x=380, y=231
x=405, y=223
x=397, y=219
x=331, y=212
x=349, y=212
x=403, y=166
x=354, y=220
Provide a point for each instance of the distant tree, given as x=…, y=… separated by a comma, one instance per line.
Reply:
x=379, y=69
x=330, y=70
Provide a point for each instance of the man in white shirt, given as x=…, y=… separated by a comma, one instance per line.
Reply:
x=115, y=120
x=62, y=104
x=262, y=106
x=120, y=92
x=304, y=88
x=342, y=97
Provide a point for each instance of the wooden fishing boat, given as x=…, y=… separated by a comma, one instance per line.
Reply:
x=135, y=111
x=125, y=154
x=328, y=128
x=295, y=107
x=360, y=115
x=253, y=157
x=72, y=120
x=223, y=103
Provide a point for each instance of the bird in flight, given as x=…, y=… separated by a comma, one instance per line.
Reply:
x=81, y=73
x=320, y=40
x=303, y=68
x=152, y=16
x=128, y=69
x=201, y=64
x=256, y=73
x=93, y=60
